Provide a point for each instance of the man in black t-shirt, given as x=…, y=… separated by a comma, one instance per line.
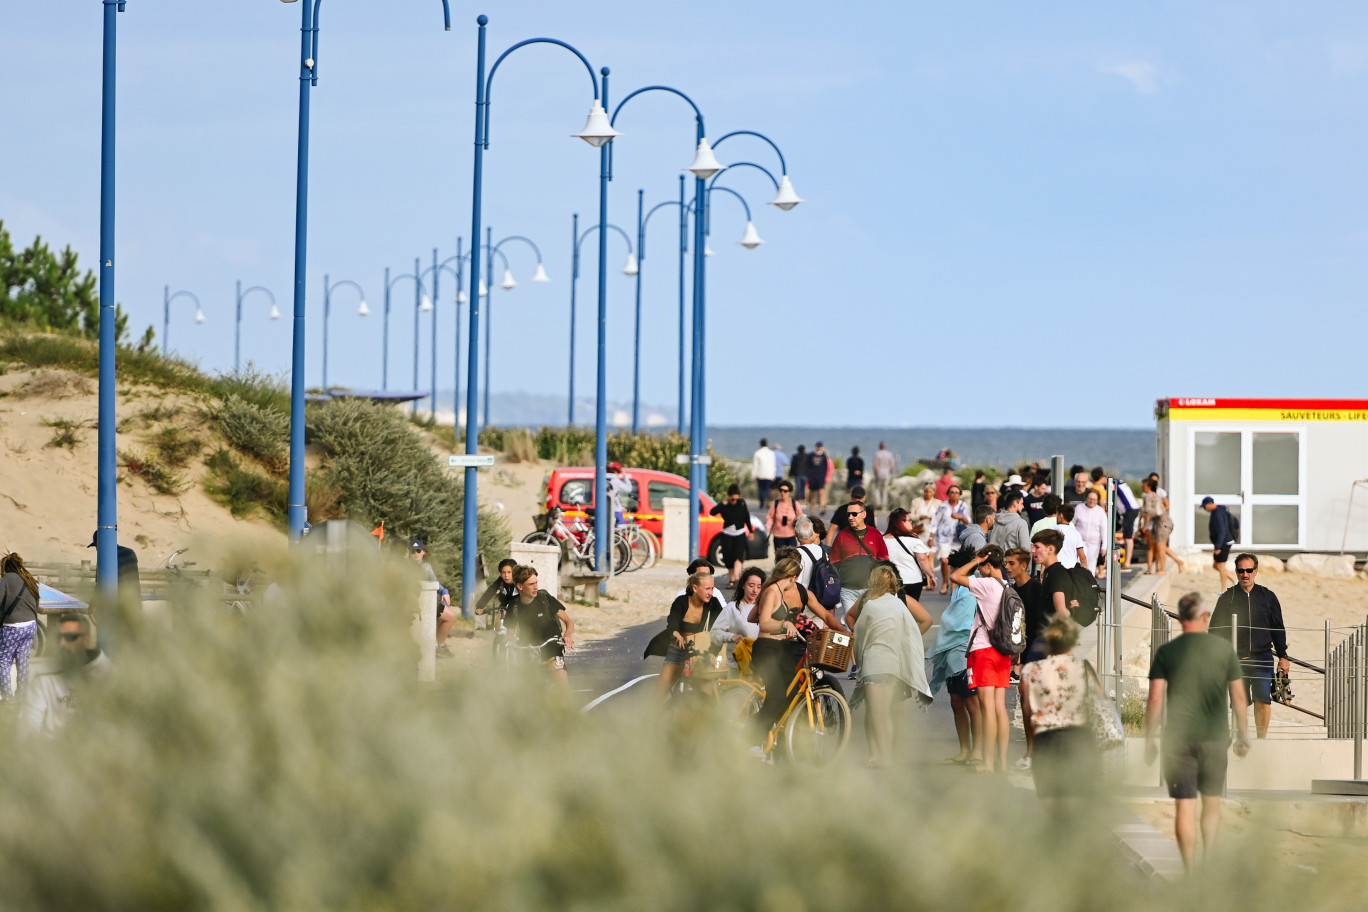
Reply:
x=854, y=470
x=1054, y=579
x=1035, y=502
x=1016, y=563
x=1195, y=677
x=537, y=617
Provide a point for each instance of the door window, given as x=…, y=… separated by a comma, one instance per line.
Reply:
x=1256, y=475
x=577, y=492
x=657, y=491
x=1216, y=463
x=1276, y=463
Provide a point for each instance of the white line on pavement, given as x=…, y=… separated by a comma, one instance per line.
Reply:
x=597, y=700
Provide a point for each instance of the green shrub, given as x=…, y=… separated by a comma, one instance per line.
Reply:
x=262, y=433
x=67, y=433
x=153, y=471
x=289, y=759
x=175, y=445
x=244, y=491
x=383, y=471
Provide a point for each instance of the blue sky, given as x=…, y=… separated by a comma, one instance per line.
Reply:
x=1155, y=200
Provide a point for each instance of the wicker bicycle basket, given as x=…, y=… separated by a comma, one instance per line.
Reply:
x=830, y=650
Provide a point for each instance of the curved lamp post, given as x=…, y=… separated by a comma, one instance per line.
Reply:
x=508, y=284
x=419, y=297
x=642, y=223
x=361, y=311
x=629, y=268
x=237, y=336
x=597, y=132
x=436, y=271
x=308, y=77
x=167, y=298
x=704, y=166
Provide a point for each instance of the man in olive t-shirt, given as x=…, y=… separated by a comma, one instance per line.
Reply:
x=1191, y=678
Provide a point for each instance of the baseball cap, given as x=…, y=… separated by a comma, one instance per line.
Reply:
x=419, y=545
x=819, y=443
x=1208, y=500
x=614, y=466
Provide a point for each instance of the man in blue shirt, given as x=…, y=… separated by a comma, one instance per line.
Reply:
x=1221, y=528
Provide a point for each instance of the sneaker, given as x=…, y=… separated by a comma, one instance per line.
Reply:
x=1016, y=678
x=444, y=652
x=1023, y=764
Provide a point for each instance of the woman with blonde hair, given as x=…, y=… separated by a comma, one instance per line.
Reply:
x=1065, y=763
x=18, y=624
x=889, y=653
x=781, y=619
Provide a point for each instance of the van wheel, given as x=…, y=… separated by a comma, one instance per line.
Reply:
x=715, y=551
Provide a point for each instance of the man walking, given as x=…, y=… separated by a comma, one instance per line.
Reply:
x=853, y=554
x=854, y=469
x=798, y=472
x=1009, y=528
x=1221, y=528
x=1257, y=616
x=762, y=470
x=885, y=464
x=976, y=533
x=817, y=479
x=945, y=481
x=1190, y=678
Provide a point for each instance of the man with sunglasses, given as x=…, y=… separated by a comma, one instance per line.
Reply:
x=51, y=700
x=854, y=551
x=1256, y=615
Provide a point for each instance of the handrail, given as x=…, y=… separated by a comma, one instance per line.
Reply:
x=1295, y=661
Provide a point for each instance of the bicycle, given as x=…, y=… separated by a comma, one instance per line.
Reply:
x=815, y=725
x=737, y=699
x=576, y=541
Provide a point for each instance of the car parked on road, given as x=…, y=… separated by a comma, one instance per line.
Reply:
x=572, y=490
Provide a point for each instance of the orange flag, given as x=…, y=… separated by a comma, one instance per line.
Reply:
x=379, y=532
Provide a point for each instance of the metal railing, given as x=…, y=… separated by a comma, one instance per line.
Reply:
x=1345, y=685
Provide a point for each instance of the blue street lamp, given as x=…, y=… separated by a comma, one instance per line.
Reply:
x=361, y=311
x=237, y=337
x=419, y=298
x=704, y=166
x=308, y=77
x=597, y=132
x=107, y=473
x=167, y=298
x=421, y=305
x=508, y=284
x=436, y=269
x=641, y=258
x=628, y=269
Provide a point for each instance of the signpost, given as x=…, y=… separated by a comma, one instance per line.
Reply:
x=470, y=460
x=686, y=459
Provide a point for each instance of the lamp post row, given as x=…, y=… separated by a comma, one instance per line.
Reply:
x=599, y=131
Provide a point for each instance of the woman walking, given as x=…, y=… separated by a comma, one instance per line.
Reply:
x=908, y=553
x=783, y=514
x=1158, y=527
x=924, y=509
x=891, y=659
x=18, y=624
x=1065, y=764
x=736, y=529
x=1090, y=521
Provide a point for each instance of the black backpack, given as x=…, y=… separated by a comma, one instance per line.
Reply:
x=1234, y=527
x=824, y=584
x=1083, y=594
x=1008, y=631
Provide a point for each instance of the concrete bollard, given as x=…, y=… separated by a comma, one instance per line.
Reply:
x=545, y=559
x=425, y=630
x=674, y=533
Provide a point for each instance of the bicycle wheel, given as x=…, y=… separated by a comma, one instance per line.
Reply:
x=739, y=700
x=641, y=547
x=818, y=744
x=546, y=538
x=622, y=555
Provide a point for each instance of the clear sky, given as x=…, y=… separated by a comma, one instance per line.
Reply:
x=1025, y=214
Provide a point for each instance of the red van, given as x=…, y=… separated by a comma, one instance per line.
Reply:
x=572, y=489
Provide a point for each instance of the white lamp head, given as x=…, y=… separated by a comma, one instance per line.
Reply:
x=630, y=268
x=426, y=304
x=707, y=251
x=705, y=164
x=786, y=198
x=275, y=313
x=508, y=284
x=751, y=239
x=199, y=316
x=462, y=298
x=484, y=289
x=363, y=310
x=597, y=129
x=540, y=275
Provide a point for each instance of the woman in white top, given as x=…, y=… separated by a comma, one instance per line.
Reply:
x=733, y=625
x=908, y=553
x=1065, y=763
x=925, y=508
x=1090, y=521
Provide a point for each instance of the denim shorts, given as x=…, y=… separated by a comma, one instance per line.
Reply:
x=1258, y=677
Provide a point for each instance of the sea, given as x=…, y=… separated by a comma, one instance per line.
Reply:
x=1126, y=452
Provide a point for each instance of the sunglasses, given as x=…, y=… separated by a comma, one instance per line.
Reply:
x=1244, y=570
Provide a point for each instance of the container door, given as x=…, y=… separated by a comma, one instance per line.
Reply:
x=1257, y=474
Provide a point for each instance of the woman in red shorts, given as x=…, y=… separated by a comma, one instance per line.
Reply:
x=990, y=672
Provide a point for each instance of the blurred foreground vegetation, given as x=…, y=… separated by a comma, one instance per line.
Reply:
x=289, y=760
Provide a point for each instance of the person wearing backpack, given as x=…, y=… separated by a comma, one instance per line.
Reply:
x=1224, y=530
x=854, y=552
x=1069, y=591
x=989, y=667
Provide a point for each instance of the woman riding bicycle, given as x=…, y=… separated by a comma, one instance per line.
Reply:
x=691, y=613
x=781, y=617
